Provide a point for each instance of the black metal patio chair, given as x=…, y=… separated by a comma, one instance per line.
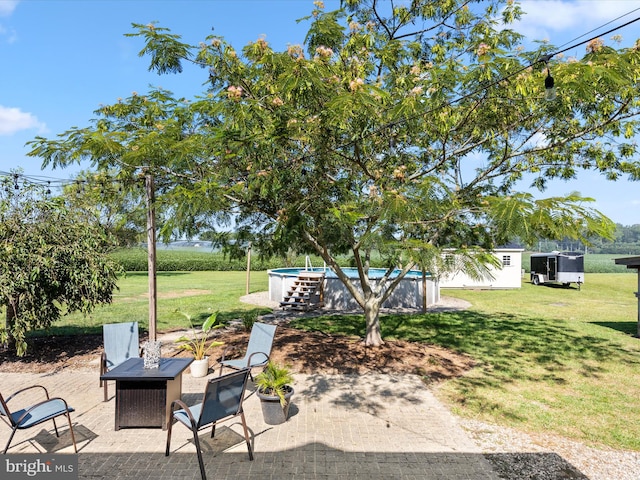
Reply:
x=32, y=415
x=258, y=349
x=121, y=342
x=222, y=401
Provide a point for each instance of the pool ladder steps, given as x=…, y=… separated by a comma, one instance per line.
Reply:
x=306, y=293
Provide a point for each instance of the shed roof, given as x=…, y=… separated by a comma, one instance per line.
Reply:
x=630, y=262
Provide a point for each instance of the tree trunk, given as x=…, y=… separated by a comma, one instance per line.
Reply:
x=373, y=337
x=151, y=254
x=10, y=315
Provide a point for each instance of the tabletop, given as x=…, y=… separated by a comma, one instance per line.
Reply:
x=133, y=369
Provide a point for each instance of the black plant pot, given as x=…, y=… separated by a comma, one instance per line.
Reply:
x=272, y=411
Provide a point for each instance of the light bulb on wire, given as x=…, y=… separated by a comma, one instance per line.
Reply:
x=549, y=87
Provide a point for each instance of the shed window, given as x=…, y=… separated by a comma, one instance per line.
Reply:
x=506, y=260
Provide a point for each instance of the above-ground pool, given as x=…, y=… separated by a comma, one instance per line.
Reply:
x=408, y=294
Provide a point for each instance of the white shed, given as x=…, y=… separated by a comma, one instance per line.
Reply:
x=509, y=275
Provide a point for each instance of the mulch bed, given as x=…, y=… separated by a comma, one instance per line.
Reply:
x=303, y=352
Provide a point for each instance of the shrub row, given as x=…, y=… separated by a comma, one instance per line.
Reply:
x=135, y=260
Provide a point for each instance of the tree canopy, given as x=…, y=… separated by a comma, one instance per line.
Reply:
x=403, y=129
x=53, y=262
x=115, y=205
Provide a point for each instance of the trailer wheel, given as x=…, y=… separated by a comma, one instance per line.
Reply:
x=536, y=280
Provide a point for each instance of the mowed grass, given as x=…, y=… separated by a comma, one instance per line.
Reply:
x=555, y=359
x=196, y=293
x=550, y=359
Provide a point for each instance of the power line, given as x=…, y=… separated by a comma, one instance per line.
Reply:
x=601, y=26
x=35, y=179
x=13, y=180
x=598, y=36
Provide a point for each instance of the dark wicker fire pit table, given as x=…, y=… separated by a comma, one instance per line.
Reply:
x=144, y=395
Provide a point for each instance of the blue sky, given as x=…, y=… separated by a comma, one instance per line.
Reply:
x=62, y=59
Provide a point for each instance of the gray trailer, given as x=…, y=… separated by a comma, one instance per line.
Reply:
x=558, y=267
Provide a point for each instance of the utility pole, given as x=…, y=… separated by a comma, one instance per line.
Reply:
x=248, y=267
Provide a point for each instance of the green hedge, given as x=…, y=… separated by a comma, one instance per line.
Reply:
x=187, y=260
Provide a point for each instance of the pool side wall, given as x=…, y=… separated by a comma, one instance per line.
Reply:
x=408, y=294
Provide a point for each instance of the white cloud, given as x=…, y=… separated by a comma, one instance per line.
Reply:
x=9, y=34
x=7, y=7
x=559, y=21
x=13, y=120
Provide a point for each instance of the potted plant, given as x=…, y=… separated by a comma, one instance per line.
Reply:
x=275, y=392
x=198, y=344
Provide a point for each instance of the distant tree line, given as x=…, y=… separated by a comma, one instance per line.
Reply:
x=625, y=242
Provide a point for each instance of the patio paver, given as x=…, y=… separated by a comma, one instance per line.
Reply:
x=356, y=427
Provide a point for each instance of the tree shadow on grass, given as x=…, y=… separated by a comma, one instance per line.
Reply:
x=502, y=338
x=630, y=328
x=508, y=348
x=158, y=274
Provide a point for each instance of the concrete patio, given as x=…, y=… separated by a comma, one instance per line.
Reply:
x=355, y=427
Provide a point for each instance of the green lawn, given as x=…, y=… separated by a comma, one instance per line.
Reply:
x=550, y=359
x=197, y=293
x=554, y=359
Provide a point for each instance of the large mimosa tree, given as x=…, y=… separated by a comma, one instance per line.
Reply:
x=405, y=129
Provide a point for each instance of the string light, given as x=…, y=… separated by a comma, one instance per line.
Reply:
x=549, y=87
x=17, y=180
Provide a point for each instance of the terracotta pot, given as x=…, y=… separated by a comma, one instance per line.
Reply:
x=200, y=368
